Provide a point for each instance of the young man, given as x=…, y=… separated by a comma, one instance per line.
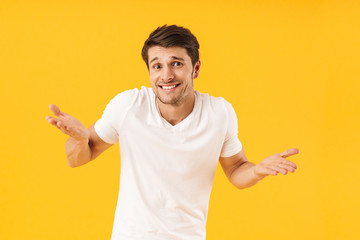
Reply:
x=171, y=139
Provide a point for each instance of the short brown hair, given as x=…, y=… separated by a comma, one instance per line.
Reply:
x=172, y=36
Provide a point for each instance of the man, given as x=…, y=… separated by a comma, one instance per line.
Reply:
x=171, y=139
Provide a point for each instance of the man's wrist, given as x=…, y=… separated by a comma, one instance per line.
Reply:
x=79, y=141
x=257, y=176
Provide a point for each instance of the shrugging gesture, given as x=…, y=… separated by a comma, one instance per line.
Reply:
x=68, y=124
x=276, y=164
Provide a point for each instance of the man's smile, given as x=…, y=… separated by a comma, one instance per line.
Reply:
x=169, y=87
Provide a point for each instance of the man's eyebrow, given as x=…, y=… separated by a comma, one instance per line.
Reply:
x=155, y=58
x=177, y=58
x=173, y=57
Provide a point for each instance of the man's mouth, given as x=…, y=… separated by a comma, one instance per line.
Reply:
x=168, y=87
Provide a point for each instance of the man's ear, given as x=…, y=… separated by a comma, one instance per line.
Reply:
x=197, y=69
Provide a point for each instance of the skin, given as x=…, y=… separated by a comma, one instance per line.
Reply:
x=83, y=144
x=172, y=79
x=173, y=67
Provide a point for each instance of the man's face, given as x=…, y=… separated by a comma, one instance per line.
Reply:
x=172, y=74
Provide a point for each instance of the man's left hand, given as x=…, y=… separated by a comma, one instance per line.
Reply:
x=276, y=164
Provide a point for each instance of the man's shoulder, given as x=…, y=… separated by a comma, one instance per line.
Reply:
x=133, y=94
x=130, y=98
x=206, y=98
x=218, y=106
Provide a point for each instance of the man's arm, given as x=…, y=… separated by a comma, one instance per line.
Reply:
x=243, y=173
x=83, y=144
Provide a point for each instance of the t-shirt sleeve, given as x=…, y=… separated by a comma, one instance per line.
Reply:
x=109, y=125
x=232, y=144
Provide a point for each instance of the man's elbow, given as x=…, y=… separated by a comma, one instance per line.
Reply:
x=73, y=163
x=240, y=186
x=243, y=183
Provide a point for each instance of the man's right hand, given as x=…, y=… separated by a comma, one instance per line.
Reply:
x=68, y=124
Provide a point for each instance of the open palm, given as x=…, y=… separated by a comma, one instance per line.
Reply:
x=68, y=124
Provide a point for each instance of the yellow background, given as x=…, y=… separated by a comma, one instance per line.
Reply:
x=289, y=68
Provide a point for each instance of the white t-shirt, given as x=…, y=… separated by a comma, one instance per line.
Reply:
x=167, y=171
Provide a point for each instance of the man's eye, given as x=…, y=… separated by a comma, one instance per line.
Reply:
x=177, y=64
x=156, y=66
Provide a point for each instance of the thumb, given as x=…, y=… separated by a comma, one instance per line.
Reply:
x=290, y=152
x=55, y=109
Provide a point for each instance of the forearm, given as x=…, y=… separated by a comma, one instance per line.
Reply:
x=243, y=173
x=78, y=152
x=243, y=176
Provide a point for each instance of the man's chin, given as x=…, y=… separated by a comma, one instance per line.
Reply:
x=168, y=101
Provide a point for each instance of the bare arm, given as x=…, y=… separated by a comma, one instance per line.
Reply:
x=83, y=144
x=243, y=173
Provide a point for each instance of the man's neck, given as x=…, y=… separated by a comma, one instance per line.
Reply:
x=175, y=113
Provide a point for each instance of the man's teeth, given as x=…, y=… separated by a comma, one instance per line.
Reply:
x=168, y=87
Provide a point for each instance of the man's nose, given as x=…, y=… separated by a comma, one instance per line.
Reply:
x=167, y=74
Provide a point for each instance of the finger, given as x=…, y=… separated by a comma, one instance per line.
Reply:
x=287, y=168
x=64, y=128
x=52, y=121
x=71, y=131
x=279, y=170
x=269, y=171
x=61, y=125
x=56, y=111
x=74, y=130
x=272, y=172
x=290, y=152
x=288, y=163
